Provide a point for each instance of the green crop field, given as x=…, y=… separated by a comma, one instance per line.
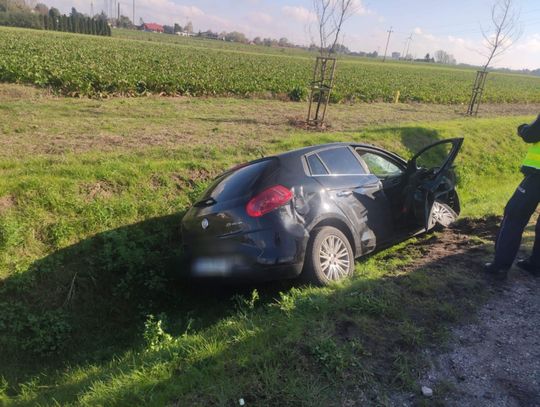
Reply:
x=78, y=65
x=204, y=43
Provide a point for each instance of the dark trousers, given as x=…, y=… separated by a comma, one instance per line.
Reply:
x=517, y=215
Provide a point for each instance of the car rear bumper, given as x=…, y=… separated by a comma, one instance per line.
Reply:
x=228, y=268
x=263, y=255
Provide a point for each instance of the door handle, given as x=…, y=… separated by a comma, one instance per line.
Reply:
x=342, y=194
x=369, y=188
x=374, y=185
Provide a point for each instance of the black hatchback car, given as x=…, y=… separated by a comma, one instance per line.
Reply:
x=313, y=211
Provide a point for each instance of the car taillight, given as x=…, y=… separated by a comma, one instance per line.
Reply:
x=268, y=200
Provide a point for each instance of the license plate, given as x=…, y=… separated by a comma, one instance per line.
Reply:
x=212, y=266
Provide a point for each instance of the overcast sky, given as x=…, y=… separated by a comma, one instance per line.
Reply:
x=453, y=26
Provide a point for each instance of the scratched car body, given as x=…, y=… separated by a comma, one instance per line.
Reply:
x=312, y=211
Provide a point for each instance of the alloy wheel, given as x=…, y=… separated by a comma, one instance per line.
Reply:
x=334, y=258
x=442, y=214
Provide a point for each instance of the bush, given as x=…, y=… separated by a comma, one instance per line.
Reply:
x=38, y=333
x=75, y=24
x=154, y=333
x=21, y=19
x=298, y=94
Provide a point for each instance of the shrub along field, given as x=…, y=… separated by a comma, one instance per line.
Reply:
x=78, y=65
x=91, y=308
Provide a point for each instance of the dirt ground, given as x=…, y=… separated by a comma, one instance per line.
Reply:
x=494, y=359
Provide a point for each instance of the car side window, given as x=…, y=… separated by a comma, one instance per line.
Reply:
x=316, y=166
x=341, y=161
x=379, y=165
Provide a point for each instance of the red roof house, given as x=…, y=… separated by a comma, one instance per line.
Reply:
x=153, y=27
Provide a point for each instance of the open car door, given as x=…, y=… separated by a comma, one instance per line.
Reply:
x=431, y=181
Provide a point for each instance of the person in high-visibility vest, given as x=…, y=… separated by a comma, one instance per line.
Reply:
x=519, y=211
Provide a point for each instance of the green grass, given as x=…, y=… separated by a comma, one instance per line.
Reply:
x=83, y=65
x=90, y=204
x=286, y=346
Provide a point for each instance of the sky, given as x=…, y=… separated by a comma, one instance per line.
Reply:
x=453, y=26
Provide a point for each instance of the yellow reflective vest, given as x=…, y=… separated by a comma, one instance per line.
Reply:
x=533, y=157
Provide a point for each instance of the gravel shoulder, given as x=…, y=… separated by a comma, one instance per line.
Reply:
x=493, y=359
x=496, y=359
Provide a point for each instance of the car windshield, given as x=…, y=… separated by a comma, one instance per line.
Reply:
x=379, y=165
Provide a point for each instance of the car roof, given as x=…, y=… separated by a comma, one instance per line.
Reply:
x=290, y=158
x=306, y=150
x=309, y=149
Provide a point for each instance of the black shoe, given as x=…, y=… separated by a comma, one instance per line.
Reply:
x=496, y=272
x=529, y=267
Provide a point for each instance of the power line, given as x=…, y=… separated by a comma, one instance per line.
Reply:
x=468, y=29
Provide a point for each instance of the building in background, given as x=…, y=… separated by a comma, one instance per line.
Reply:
x=152, y=27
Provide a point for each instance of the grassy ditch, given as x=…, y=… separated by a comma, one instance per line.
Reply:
x=91, y=309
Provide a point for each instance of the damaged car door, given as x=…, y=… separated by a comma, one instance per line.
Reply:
x=430, y=184
x=357, y=193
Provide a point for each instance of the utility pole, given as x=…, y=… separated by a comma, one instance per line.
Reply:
x=409, y=40
x=118, y=15
x=133, y=12
x=92, y=9
x=387, y=42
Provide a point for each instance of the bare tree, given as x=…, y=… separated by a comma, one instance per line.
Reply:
x=443, y=57
x=503, y=32
x=331, y=15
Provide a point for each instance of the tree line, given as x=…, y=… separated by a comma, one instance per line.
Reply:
x=16, y=14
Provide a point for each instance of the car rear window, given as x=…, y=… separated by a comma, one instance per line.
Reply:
x=316, y=166
x=341, y=161
x=236, y=183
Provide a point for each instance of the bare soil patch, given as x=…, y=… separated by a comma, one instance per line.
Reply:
x=98, y=190
x=6, y=202
x=494, y=358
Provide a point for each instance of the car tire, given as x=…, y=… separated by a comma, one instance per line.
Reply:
x=329, y=257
